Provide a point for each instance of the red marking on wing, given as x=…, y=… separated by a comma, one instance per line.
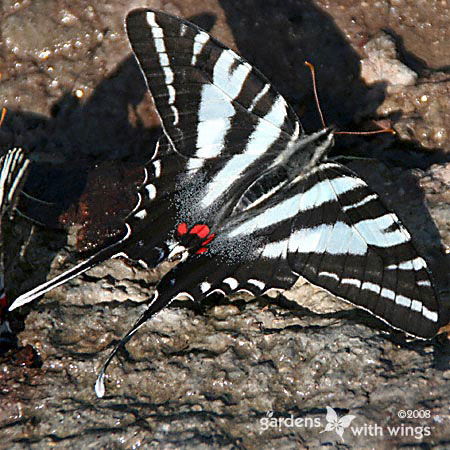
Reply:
x=200, y=230
x=182, y=228
x=209, y=239
x=201, y=250
x=3, y=307
x=3, y=301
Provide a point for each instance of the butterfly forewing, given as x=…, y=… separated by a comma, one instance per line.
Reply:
x=211, y=102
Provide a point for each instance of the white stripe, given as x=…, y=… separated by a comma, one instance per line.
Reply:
x=216, y=108
x=171, y=90
x=431, y=315
x=143, y=263
x=296, y=133
x=367, y=285
x=335, y=239
x=259, y=284
x=216, y=290
x=230, y=82
x=401, y=300
x=261, y=93
x=268, y=194
x=314, y=197
x=194, y=164
x=282, y=211
x=144, y=181
x=158, y=37
x=17, y=160
x=365, y=200
x=164, y=62
x=346, y=184
x=151, y=191
x=419, y=263
x=182, y=296
x=199, y=42
x=329, y=275
x=214, y=121
x=374, y=231
x=205, y=287
x=5, y=171
x=138, y=203
x=151, y=19
x=141, y=214
x=388, y=293
x=405, y=301
x=168, y=75
x=423, y=283
x=322, y=192
x=416, y=264
x=159, y=42
x=274, y=250
x=352, y=281
x=232, y=282
x=176, y=117
x=157, y=33
x=416, y=305
x=157, y=168
x=245, y=290
x=277, y=114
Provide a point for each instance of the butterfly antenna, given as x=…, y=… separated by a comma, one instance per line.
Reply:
x=154, y=308
x=366, y=133
x=313, y=76
x=363, y=133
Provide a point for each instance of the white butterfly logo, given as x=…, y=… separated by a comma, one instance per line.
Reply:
x=337, y=424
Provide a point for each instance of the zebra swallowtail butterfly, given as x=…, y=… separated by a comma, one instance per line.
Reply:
x=13, y=170
x=244, y=200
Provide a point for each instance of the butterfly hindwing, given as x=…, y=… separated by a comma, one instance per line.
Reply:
x=346, y=241
x=333, y=230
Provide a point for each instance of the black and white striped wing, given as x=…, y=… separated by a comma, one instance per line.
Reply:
x=334, y=231
x=344, y=240
x=211, y=102
x=13, y=171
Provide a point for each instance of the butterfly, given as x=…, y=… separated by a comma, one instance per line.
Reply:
x=239, y=198
x=13, y=171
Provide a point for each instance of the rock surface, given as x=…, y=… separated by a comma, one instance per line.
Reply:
x=238, y=372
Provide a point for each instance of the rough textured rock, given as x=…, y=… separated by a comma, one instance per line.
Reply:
x=210, y=377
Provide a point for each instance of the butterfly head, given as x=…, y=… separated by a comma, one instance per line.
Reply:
x=310, y=150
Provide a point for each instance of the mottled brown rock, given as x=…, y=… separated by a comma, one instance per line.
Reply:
x=206, y=377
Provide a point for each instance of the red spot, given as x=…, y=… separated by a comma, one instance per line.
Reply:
x=209, y=239
x=182, y=229
x=3, y=302
x=200, y=230
x=201, y=250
